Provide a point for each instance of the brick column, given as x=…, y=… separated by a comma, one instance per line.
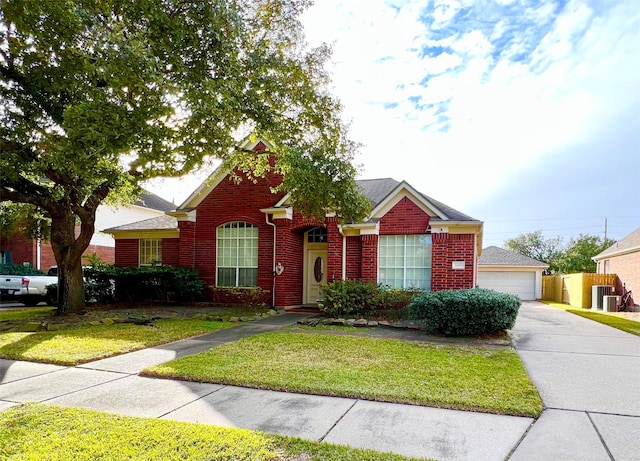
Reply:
x=369, y=258
x=334, y=250
x=187, y=256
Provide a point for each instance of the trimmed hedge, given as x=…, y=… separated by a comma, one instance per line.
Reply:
x=353, y=298
x=19, y=269
x=106, y=283
x=465, y=312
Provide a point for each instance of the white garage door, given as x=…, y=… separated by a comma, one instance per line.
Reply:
x=522, y=284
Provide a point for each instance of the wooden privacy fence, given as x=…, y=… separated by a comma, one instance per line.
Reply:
x=575, y=289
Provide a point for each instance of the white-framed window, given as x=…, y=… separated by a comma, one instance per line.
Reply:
x=237, y=255
x=404, y=261
x=150, y=253
x=5, y=257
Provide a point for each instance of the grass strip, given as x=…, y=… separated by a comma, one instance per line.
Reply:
x=35, y=431
x=483, y=379
x=612, y=319
x=88, y=343
x=27, y=314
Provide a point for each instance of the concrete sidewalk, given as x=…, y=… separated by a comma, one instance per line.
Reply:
x=112, y=385
x=588, y=376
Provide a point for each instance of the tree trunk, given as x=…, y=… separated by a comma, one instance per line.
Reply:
x=68, y=252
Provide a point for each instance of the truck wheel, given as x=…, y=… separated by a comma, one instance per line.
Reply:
x=30, y=301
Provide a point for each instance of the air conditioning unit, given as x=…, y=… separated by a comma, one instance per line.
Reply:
x=611, y=303
x=597, y=293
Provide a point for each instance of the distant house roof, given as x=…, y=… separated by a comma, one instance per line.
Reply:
x=494, y=256
x=158, y=223
x=627, y=244
x=150, y=200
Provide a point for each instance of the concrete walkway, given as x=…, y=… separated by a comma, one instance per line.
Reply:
x=587, y=375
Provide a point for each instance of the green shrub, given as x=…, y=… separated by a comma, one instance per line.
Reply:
x=344, y=298
x=354, y=298
x=465, y=312
x=394, y=299
x=243, y=296
x=19, y=269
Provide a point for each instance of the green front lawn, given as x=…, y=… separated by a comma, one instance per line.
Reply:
x=85, y=343
x=38, y=432
x=460, y=377
x=612, y=319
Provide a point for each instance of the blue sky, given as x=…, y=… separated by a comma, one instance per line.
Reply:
x=524, y=114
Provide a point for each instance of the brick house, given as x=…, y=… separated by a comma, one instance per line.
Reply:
x=623, y=259
x=243, y=235
x=18, y=249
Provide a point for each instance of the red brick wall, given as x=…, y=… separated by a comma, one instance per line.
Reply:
x=127, y=252
x=627, y=268
x=170, y=252
x=354, y=258
x=26, y=251
x=446, y=249
x=186, y=258
x=404, y=218
x=334, y=250
x=22, y=250
x=369, y=264
x=289, y=250
x=235, y=202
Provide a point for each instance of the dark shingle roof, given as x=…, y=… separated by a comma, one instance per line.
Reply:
x=628, y=243
x=494, y=256
x=150, y=200
x=157, y=223
x=376, y=190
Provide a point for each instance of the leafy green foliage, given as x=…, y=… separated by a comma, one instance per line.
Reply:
x=577, y=255
x=566, y=259
x=534, y=245
x=164, y=283
x=465, y=312
x=462, y=377
x=19, y=269
x=99, y=96
x=243, y=296
x=344, y=298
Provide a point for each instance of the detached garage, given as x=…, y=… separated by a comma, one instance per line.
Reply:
x=509, y=272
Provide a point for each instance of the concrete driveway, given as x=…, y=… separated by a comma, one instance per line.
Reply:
x=588, y=376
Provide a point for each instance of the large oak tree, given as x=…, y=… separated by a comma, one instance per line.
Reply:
x=99, y=95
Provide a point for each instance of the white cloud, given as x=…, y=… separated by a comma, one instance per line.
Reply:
x=502, y=87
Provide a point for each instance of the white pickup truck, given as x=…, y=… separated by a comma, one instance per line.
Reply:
x=26, y=289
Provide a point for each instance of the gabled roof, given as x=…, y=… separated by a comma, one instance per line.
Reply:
x=380, y=190
x=627, y=244
x=494, y=256
x=150, y=200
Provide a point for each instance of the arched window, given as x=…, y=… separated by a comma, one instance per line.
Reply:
x=237, y=251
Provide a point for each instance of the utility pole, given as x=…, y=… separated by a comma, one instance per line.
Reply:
x=605, y=229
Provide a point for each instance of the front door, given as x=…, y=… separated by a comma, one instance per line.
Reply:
x=315, y=274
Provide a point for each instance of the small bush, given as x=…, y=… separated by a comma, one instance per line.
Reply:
x=344, y=298
x=395, y=299
x=243, y=296
x=465, y=312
